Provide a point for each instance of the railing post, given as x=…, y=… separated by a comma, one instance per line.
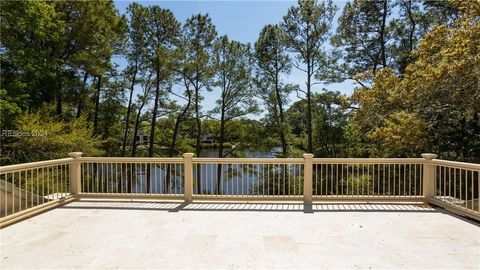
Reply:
x=75, y=173
x=308, y=178
x=188, y=172
x=428, y=176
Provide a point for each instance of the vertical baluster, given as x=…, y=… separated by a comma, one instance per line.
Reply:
x=258, y=180
x=460, y=184
x=478, y=188
x=175, y=178
x=347, y=180
x=268, y=179
x=410, y=179
x=5, y=179
x=362, y=178
x=466, y=188
x=321, y=179
x=331, y=178
x=31, y=188
x=455, y=183
x=37, y=185
x=13, y=193
x=473, y=188
x=135, y=170
x=379, y=182
x=357, y=179
x=316, y=179
x=342, y=166
x=326, y=179
x=368, y=180
x=122, y=183
x=57, y=180
x=62, y=179
x=441, y=180
x=163, y=169
x=336, y=179
x=394, y=181
x=19, y=190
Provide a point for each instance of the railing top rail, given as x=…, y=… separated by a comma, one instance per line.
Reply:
x=457, y=164
x=33, y=165
x=369, y=160
x=250, y=160
x=130, y=160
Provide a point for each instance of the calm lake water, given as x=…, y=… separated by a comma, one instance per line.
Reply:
x=213, y=153
x=236, y=179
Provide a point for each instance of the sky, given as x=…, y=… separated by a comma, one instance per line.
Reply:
x=241, y=21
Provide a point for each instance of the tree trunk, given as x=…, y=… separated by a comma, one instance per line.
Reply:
x=309, y=110
x=129, y=108
x=154, y=122
x=134, y=148
x=412, y=27
x=382, y=34
x=106, y=132
x=283, y=140
x=58, y=109
x=198, y=146
x=97, y=105
x=178, y=125
x=171, y=151
x=220, y=145
x=83, y=95
x=135, y=131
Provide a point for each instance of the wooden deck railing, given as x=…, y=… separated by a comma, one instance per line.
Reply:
x=30, y=188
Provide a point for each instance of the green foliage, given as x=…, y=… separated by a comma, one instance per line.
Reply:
x=233, y=63
x=307, y=28
x=363, y=35
x=360, y=185
x=196, y=68
x=435, y=105
x=331, y=115
x=41, y=136
x=272, y=61
x=10, y=105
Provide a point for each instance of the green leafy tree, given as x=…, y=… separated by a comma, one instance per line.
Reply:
x=272, y=61
x=233, y=64
x=434, y=106
x=162, y=32
x=31, y=63
x=100, y=29
x=140, y=117
x=196, y=70
x=307, y=28
x=363, y=35
x=42, y=136
x=331, y=117
x=135, y=54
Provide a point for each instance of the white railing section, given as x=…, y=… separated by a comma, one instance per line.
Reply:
x=368, y=177
x=244, y=178
x=26, y=186
x=457, y=184
x=138, y=176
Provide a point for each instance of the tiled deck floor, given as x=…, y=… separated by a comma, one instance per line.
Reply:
x=199, y=236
